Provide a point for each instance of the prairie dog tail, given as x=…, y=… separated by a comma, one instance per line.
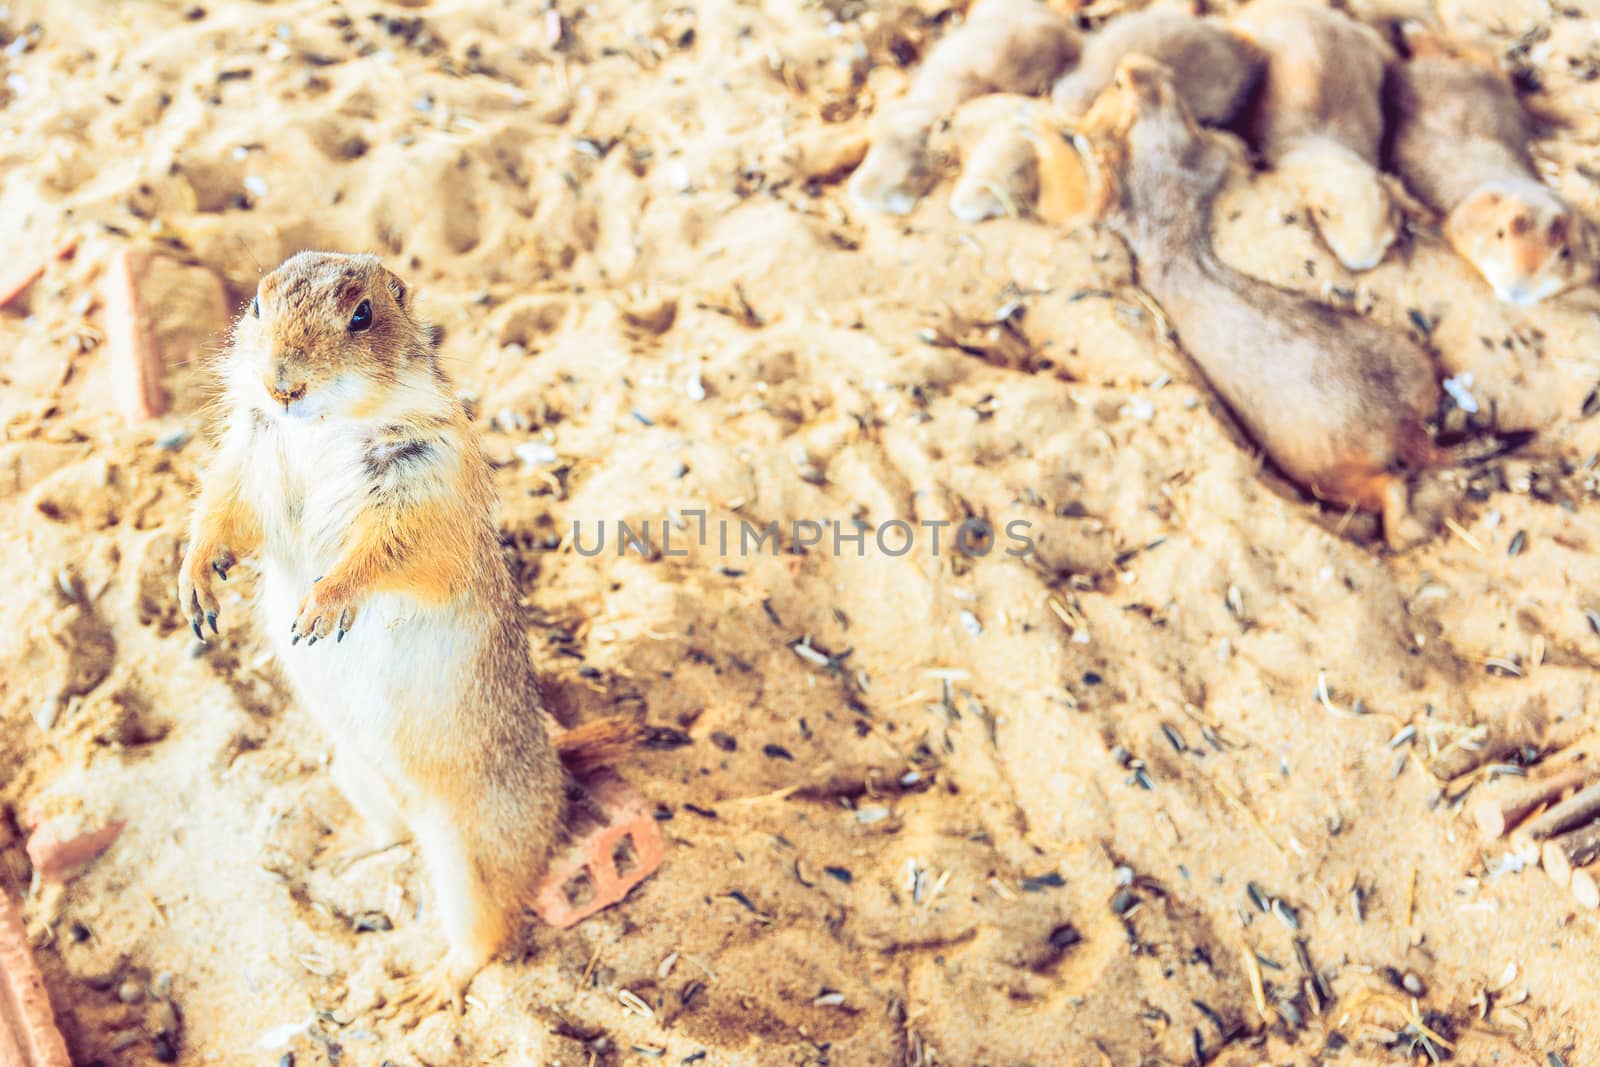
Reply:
x=1420, y=449
x=597, y=744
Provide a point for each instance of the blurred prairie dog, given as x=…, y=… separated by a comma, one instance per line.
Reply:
x=1020, y=161
x=999, y=168
x=1459, y=140
x=899, y=168
x=1339, y=403
x=1318, y=118
x=1215, y=70
x=1005, y=46
x=350, y=471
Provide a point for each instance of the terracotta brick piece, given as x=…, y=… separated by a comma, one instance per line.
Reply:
x=605, y=862
x=28, y=1035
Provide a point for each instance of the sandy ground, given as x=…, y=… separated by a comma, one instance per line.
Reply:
x=994, y=810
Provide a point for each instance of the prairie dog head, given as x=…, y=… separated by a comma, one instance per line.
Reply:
x=1149, y=154
x=1071, y=186
x=899, y=168
x=999, y=177
x=1141, y=88
x=1348, y=201
x=1524, y=239
x=329, y=336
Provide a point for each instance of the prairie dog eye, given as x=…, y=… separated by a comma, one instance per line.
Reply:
x=255, y=306
x=362, y=319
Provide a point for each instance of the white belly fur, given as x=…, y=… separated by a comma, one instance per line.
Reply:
x=402, y=659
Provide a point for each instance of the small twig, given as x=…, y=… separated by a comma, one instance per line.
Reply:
x=1259, y=825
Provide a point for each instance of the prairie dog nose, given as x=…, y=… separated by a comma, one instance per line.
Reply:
x=285, y=391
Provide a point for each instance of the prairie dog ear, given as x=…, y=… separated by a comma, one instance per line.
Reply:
x=396, y=287
x=1141, y=74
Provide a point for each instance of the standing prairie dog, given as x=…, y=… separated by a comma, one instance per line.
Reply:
x=1338, y=403
x=1459, y=139
x=1215, y=70
x=349, y=471
x=1005, y=46
x=1318, y=118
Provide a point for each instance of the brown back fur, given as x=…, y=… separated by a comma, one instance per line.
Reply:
x=1005, y=46
x=1454, y=125
x=1323, y=80
x=1215, y=70
x=1336, y=400
x=1459, y=140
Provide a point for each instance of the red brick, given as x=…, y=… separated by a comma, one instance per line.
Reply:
x=14, y=285
x=28, y=1034
x=628, y=820
x=59, y=847
x=131, y=351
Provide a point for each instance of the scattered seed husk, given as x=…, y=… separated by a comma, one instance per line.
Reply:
x=634, y=1003
x=1064, y=937
x=1123, y=902
x=800, y=876
x=1252, y=970
x=1503, y=667
x=810, y=655
x=1210, y=1013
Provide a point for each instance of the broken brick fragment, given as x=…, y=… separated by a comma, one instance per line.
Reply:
x=28, y=1034
x=59, y=847
x=606, y=861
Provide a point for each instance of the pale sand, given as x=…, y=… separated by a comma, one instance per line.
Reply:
x=797, y=355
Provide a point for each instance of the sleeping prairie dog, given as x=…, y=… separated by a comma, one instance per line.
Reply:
x=999, y=168
x=1459, y=140
x=1004, y=139
x=1339, y=403
x=1072, y=186
x=1215, y=70
x=1005, y=46
x=1318, y=118
x=347, y=468
x=900, y=167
